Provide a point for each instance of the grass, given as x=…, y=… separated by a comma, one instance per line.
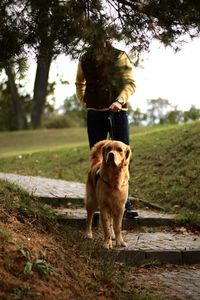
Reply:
x=18, y=143
x=165, y=166
x=14, y=199
x=28, y=142
x=5, y=236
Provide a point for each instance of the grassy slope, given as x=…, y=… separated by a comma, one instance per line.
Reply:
x=40, y=259
x=27, y=142
x=165, y=167
x=17, y=143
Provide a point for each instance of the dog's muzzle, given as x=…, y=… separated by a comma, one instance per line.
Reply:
x=110, y=157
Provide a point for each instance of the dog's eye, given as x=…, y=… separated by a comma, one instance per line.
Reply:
x=120, y=150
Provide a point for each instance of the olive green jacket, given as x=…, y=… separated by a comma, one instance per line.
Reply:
x=90, y=91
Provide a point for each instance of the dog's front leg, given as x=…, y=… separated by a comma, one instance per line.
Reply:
x=107, y=227
x=112, y=230
x=91, y=207
x=88, y=231
x=117, y=225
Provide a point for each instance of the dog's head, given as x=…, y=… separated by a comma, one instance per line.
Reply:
x=116, y=153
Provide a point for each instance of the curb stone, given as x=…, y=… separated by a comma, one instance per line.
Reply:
x=127, y=223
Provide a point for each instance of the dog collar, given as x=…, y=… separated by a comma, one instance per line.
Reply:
x=98, y=176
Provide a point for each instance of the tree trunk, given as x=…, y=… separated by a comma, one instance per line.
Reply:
x=40, y=90
x=17, y=106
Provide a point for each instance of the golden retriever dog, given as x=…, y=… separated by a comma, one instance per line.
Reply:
x=107, y=188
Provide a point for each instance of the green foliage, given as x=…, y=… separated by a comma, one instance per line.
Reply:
x=24, y=293
x=189, y=218
x=73, y=109
x=158, y=110
x=71, y=104
x=161, y=111
x=36, y=263
x=64, y=23
x=27, y=209
x=7, y=116
x=136, y=117
x=192, y=114
x=11, y=31
x=11, y=110
x=72, y=115
x=174, y=117
x=64, y=121
x=5, y=236
x=14, y=199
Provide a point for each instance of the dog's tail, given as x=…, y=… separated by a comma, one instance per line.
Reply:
x=96, y=155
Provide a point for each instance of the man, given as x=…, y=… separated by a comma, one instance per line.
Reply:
x=104, y=82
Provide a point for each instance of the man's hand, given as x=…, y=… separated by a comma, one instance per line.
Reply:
x=115, y=106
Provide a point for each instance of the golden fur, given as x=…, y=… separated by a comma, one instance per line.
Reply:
x=107, y=188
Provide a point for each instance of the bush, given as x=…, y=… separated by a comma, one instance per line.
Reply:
x=62, y=121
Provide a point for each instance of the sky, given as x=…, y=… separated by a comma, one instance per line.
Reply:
x=163, y=73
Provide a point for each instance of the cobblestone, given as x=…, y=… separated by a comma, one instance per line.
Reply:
x=184, y=283
x=81, y=213
x=162, y=240
x=45, y=187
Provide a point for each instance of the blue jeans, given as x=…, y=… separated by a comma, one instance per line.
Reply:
x=100, y=124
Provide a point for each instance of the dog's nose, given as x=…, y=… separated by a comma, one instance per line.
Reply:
x=111, y=156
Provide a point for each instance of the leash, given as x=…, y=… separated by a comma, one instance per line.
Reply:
x=112, y=124
x=112, y=132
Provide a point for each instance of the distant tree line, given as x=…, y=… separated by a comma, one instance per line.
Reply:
x=43, y=29
x=161, y=111
x=71, y=114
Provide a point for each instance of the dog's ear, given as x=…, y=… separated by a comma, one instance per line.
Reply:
x=128, y=153
x=103, y=149
x=97, y=152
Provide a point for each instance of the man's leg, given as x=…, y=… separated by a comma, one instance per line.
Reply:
x=119, y=126
x=97, y=126
x=120, y=132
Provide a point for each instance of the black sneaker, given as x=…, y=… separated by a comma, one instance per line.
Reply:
x=130, y=213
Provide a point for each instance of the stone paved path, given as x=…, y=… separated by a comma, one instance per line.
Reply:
x=162, y=240
x=81, y=213
x=182, y=284
x=45, y=187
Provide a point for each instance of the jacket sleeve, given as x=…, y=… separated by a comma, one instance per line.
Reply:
x=129, y=81
x=80, y=84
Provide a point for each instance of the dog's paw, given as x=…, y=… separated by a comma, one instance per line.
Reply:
x=108, y=245
x=88, y=235
x=121, y=244
x=113, y=237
